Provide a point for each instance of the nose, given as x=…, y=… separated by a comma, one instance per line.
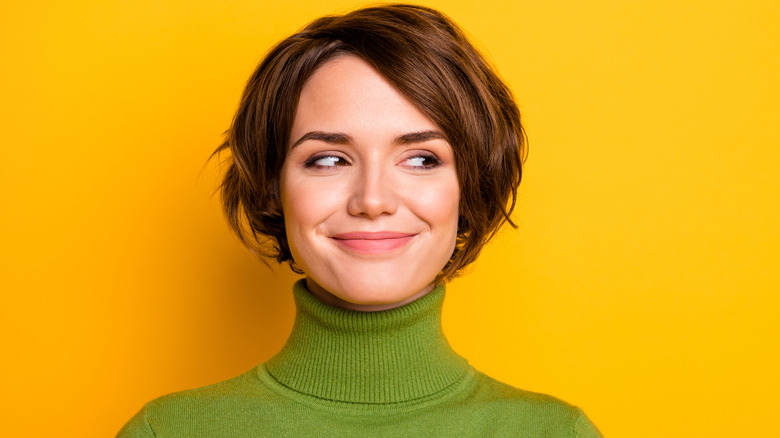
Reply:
x=372, y=194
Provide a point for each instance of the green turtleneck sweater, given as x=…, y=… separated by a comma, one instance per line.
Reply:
x=347, y=374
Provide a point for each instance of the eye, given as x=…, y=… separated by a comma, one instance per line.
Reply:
x=422, y=161
x=325, y=161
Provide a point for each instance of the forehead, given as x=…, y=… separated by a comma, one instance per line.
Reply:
x=348, y=94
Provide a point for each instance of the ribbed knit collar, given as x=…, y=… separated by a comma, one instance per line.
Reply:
x=389, y=356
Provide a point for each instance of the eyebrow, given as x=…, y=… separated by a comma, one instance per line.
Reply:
x=419, y=137
x=327, y=137
x=341, y=138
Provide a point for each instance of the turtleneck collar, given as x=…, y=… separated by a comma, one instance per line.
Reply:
x=388, y=356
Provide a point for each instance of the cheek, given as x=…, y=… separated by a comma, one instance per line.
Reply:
x=438, y=204
x=294, y=204
x=306, y=204
x=296, y=215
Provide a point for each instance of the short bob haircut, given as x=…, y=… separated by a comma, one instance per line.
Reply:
x=429, y=60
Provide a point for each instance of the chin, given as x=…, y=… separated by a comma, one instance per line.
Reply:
x=368, y=290
x=373, y=291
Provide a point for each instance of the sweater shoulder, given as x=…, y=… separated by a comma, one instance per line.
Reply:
x=493, y=389
x=242, y=385
x=187, y=411
x=528, y=410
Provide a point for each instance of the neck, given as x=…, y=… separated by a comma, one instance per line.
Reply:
x=386, y=356
x=332, y=300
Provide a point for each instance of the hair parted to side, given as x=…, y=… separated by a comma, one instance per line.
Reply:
x=430, y=61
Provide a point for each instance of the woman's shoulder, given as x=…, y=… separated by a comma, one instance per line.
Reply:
x=491, y=388
x=530, y=409
x=193, y=405
x=240, y=386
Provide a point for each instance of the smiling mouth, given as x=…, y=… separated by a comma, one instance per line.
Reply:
x=373, y=243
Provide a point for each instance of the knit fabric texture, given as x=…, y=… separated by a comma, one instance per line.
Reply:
x=344, y=373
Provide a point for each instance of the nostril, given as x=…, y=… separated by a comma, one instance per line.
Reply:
x=372, y=199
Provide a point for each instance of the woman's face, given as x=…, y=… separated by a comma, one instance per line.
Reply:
x=369, y=190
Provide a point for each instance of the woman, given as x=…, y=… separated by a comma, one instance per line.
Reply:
x=376, y=153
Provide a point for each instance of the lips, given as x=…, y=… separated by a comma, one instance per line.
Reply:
x=372, y=242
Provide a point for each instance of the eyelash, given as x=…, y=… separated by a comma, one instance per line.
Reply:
x=311, y=163
x=433, y=159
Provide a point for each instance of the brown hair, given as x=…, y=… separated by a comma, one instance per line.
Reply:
x=429, y=60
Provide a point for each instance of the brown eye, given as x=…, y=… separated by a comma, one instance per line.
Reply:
x=325, y=161
x=423, y=161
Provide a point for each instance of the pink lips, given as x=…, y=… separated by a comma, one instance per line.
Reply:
x=373, y=243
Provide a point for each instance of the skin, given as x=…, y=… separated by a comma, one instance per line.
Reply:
x=369, y=190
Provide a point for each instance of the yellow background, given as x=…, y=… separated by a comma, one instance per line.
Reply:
x=641, y=285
